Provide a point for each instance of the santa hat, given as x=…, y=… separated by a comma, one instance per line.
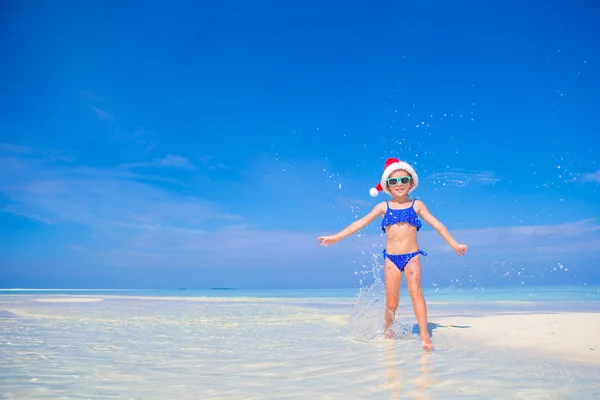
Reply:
x=391, y=165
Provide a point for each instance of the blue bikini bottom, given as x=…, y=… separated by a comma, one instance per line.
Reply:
x=400, y=260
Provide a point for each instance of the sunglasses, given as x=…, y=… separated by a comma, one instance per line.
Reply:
x=405, y=180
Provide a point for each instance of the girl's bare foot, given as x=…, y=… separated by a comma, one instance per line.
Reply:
x=388, y=333
x=426, y=343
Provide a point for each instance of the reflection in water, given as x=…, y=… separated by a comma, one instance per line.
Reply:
x=424, y=380
x=395, y=374
x=393, y=370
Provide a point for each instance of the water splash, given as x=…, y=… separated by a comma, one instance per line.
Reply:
x=366, y=321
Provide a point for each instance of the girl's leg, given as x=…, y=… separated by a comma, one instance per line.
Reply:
x=412, y=271
x=393, y=278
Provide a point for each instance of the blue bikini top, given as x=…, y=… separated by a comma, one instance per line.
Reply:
x=408, y=215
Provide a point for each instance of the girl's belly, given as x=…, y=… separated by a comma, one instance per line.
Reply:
x=401, y=239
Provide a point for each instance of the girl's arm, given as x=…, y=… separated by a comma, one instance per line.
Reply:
x=424, y=213
x=354, y=227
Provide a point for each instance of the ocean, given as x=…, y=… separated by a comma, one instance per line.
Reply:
x=285, y=344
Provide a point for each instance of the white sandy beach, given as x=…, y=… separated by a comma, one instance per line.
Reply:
x=70, y=300
x=569, y=336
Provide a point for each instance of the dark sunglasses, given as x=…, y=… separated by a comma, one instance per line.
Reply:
x=405, y=180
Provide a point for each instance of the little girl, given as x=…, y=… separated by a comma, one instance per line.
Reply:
x=402, y=254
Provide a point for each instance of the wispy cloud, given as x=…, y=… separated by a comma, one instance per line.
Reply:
x=140, y=222
x=211, y=162
x=591, y=177
x=143, y=224
x=285, y=249
x=18, y=151
x=139, y=135
x=15, y=148
x=100, y=198
x=24, y=212
x=172, y=160
x=523, y=241
x=462, y=178
x=102, y=115
x=90, y=96
x=169, y=161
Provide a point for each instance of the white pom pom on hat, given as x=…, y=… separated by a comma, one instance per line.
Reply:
x=391, y=165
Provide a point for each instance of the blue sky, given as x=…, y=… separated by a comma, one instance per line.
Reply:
x=144, y=145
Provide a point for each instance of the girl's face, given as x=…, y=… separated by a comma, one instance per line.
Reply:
x=399, y=183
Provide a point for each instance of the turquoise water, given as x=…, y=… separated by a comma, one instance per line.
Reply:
x=249, y=344
x=521, y=293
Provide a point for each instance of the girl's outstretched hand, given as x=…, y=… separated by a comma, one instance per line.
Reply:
x=461, y=249
x=327, y=240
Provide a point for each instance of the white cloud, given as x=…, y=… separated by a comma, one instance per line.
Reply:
x=211, y=163
x=91, y=96
x=102, y=115
x=99, y=198
x=140, y=223
x=172, y=160
x=461, y=178
x=533, y=239
x=18, y=210
x=280, y=249
x=591, y=177
x=15, y=148
x=22, y=151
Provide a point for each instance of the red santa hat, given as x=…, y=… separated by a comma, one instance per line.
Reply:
x=391, y=165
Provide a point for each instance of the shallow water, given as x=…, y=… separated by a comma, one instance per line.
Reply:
x=136, y=348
